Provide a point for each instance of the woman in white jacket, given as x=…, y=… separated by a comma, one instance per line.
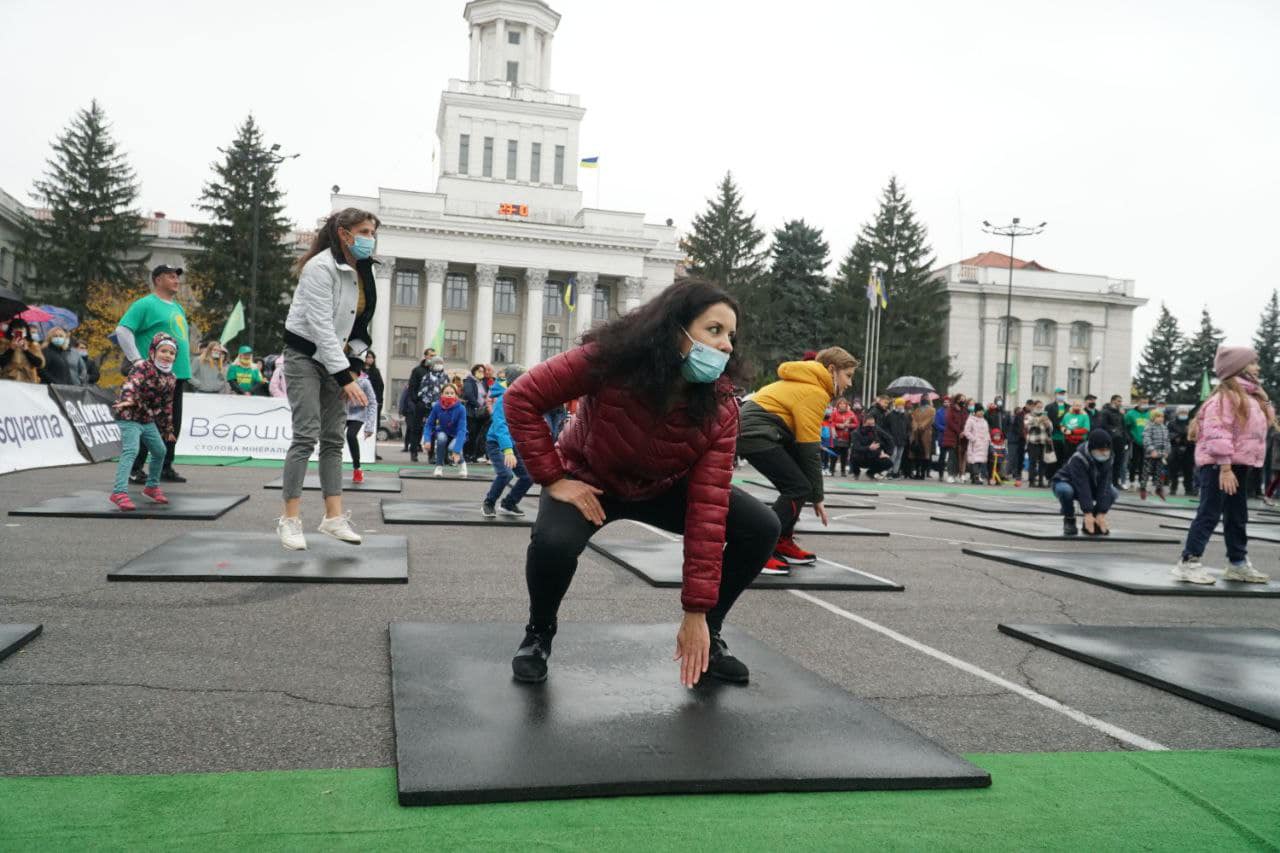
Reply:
x=326, y=336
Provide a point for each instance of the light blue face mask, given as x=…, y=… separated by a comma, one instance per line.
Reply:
x=363, y=247
x=1100, y=457
x=703, y=363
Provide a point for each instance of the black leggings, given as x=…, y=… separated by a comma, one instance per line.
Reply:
x=561, y=532
x=781, y=468
x=353, y=442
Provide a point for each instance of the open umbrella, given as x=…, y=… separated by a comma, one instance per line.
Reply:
x=10, y=303
x=64, y=317
x=35, y=315
x=908, y=385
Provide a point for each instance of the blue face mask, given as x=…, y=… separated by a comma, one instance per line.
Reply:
x=1100, y=457
x=363, y=247
x=703, y=363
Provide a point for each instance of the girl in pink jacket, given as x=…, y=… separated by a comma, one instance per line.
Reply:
x=1233, y=432
x=979, y=436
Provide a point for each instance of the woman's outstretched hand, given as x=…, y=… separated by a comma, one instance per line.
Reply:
x=583, y=496
x=693, y=647
x=821, y=512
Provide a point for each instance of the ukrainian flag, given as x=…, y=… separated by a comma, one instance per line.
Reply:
x=571, y=294
x=590, y=163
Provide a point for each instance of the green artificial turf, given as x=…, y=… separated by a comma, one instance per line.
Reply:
x=1196, y=800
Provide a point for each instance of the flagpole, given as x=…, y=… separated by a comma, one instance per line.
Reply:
x=866, y=356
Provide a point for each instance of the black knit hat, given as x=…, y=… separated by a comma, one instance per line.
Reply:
x=1099, y=439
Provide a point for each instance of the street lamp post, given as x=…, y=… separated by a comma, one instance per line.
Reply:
x=1013, y=230
x=275, y=158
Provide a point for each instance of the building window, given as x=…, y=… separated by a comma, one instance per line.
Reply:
x=600, y=303
x=455, y=345
x=464, y=153
x=4, y=262
x=553, y=299
x=397, y=388
x=504, y=348
x=456, y=288
x=1039, y=379
x=404, y=341
x=504, y=296
x=512, y=147
x=486, y=167
x=559, y=176
x=1080, y=335
x=1009, y=328
x=407, y=287
x=552, y=345
x=1045, y=333
x=535, y=163
x=1002, y=380
x=513, y=36
x=1075, y=381
x=513, y=73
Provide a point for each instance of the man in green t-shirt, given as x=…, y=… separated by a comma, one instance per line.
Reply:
x=243, y=374
x=159, y=311
x=1136, y=420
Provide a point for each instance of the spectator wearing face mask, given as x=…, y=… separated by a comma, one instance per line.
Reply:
x=1182, y=453
x=60, y=364
x=90, y=372
x=21, y=359
x=1156, y=445
x=144, y=414
x=898, y=424
x=1075, y=426
x=446, y=429
x=1111, y=418
x=1135, y=422
x=1039, y=437
x=1085, y=479
x=429, y=391
x=977, y=434
x=1056, y=411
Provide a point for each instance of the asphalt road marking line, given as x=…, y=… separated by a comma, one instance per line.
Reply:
x=1109, y=729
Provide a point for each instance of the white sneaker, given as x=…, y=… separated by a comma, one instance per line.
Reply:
x=1124, y=487
x=340, y=528
x=950, y=479
x=1191, y=571
x=1244, y=572
x=290, y=531
x=439, y=472
x=462, y=470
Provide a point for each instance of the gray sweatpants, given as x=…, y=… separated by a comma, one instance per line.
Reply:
x=319, y=413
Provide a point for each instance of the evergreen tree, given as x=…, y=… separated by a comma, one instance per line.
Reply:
x=787, y=311
x=1160, y=365
x=1267, y=344
x=245, y=178
x=92, y=232
x=914, y=325
x=1197, y=357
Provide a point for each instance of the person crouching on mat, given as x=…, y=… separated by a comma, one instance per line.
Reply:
x=872, y=447
x=1085, y=479
x=502, y=454
x=1231, y=438
x=144, y=413
x=361, y=418
x=779, y=435
x=652, y=441
x=446, y=430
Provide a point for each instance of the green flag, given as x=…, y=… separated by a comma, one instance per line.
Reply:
x=437, y=340
x=235, y=324
x=1013, y=379
x=1204, y=386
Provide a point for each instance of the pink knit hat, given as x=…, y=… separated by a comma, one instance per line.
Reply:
x=1231, y=360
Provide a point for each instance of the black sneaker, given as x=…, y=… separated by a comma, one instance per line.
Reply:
x=723, y=665
x=1069, y=526
x=486, y=509
x=168, y=475
x=530, y=663
x=138, y=478
x=511, y=510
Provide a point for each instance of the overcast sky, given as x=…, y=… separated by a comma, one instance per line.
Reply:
x=1145, y=133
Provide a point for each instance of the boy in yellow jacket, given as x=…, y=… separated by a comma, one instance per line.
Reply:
x=780, y=434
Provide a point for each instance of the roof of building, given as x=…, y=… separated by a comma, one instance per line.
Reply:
x=996, y=259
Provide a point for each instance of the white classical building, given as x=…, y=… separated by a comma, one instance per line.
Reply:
x=487, y=256
x=1066, y=330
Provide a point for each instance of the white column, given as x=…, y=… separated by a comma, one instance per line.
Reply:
x=1062, y=358
x=482, y=319
x=1093, y=382
x=475, y=53
x=380, y=330
x=586, y=302
x=433, y=301
x=535, y=281
x=497, y=62
x=632, y=291
x=1026, y=357
x=544, y=66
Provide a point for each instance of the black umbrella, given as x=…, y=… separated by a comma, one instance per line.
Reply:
x=909, y=385
x=10, y=303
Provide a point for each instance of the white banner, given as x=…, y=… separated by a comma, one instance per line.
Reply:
x=33, y=431
x=234, y=425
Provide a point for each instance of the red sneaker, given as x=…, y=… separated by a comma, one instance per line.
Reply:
x=357, y=476
x=774, y=566
x=154, y=495
x=788, y=550
x=122, y=501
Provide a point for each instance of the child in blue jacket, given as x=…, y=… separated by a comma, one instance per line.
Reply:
x=501, y=451
x=447, y=423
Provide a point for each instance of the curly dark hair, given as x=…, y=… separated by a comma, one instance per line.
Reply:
x=638, y=351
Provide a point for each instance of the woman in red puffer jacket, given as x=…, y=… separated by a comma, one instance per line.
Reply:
x=653, y=441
